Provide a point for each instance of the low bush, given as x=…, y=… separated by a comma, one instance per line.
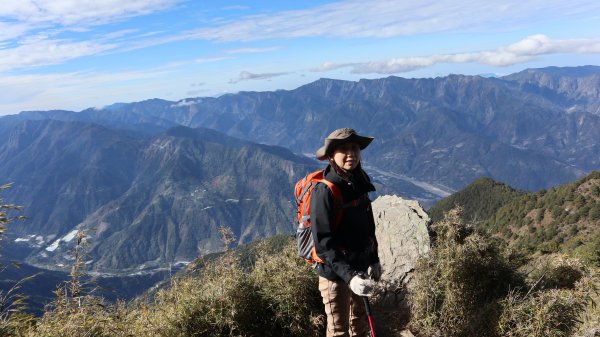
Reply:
x=289, y=287
x=555, y=271
x=456, y=289
x=549, y=313
x=277, y=296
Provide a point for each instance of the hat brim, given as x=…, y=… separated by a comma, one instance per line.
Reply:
x=330, y=144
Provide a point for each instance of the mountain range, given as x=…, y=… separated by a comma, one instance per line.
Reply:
x=145, y=201
x=153, y=181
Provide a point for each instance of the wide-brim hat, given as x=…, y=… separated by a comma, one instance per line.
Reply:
x=341, y=136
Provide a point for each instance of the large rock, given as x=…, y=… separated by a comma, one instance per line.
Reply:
x=402, y=233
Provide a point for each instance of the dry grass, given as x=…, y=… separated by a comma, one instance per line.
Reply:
x=468, y=287
x=561, y=300
x=277, y=297
x=455, y=290
x=91, y=319
x=289, y=286
x=13, y=319
x=547, y=313
x=222, y=302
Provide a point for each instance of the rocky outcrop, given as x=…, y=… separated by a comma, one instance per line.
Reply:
x=402, y=234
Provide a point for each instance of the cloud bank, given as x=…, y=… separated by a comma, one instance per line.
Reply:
x=46, y=19
x=522, y=51
x=390, y=18
x=246, y=76
x=78, y=12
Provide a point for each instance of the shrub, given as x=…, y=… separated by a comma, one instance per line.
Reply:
x=90, y=318
x=589, y=250
x=590, y=318
x=75, y=311
x=278, y=296
x=455, y=290
x=289, y=287
x=550, y=313
x=13, y=318
x=221, y=302
x=560, y=289
x=556, y=272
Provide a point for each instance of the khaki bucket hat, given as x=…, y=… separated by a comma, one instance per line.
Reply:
x=341, y=136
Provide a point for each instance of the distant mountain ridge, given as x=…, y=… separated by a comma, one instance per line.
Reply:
x=534, y=129
x=579, y=87
x=148, y=200
x=156, y=178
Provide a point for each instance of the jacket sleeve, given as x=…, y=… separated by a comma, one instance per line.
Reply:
x=322, y=219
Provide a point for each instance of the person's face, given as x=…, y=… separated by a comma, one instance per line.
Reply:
x=346, y=156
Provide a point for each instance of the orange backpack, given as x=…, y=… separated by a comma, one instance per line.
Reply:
x=303, y=192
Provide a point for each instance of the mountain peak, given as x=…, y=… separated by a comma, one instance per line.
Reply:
x=571, y=72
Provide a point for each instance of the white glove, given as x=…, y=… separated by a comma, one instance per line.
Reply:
x=362, y=286
x=375, y=271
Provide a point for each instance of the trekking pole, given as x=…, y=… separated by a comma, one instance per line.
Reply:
x=369, y=316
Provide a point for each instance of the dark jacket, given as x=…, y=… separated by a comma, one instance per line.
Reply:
x=351, y=246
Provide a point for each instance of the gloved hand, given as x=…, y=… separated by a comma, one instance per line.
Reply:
x=361, y=285
x=375, y=271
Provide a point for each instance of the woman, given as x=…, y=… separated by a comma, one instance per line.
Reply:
x=347, y=245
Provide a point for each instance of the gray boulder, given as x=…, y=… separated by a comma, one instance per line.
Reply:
x=402, y=233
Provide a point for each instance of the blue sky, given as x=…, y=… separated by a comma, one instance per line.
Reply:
x=75, y=54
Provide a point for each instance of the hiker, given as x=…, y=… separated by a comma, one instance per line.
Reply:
x=347, y=245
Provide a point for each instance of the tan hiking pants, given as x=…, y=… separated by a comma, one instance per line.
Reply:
x=346, y=315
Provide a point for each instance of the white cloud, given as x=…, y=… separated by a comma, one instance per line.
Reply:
x=29, y=29
x=328, y=66
x=118, y=34
x=78, y=12
x=252, y=50
x=522, y=51
x=11, y=30
x=246, y=76
x=55, y=90
x=345, y=19
x=41, y=51
x=389, y=18
x=202, y=60
x=185, y=102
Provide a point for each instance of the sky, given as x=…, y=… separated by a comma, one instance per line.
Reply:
x=78, y=54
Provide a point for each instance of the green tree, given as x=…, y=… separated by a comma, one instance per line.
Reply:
x=540, y=215
x=594, y=212
x=596, y=190
x=580, y=201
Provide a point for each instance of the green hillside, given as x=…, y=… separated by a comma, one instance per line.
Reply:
x=479, y=201
x=562, y=219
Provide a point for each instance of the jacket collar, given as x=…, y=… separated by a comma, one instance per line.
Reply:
x=359, y=179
